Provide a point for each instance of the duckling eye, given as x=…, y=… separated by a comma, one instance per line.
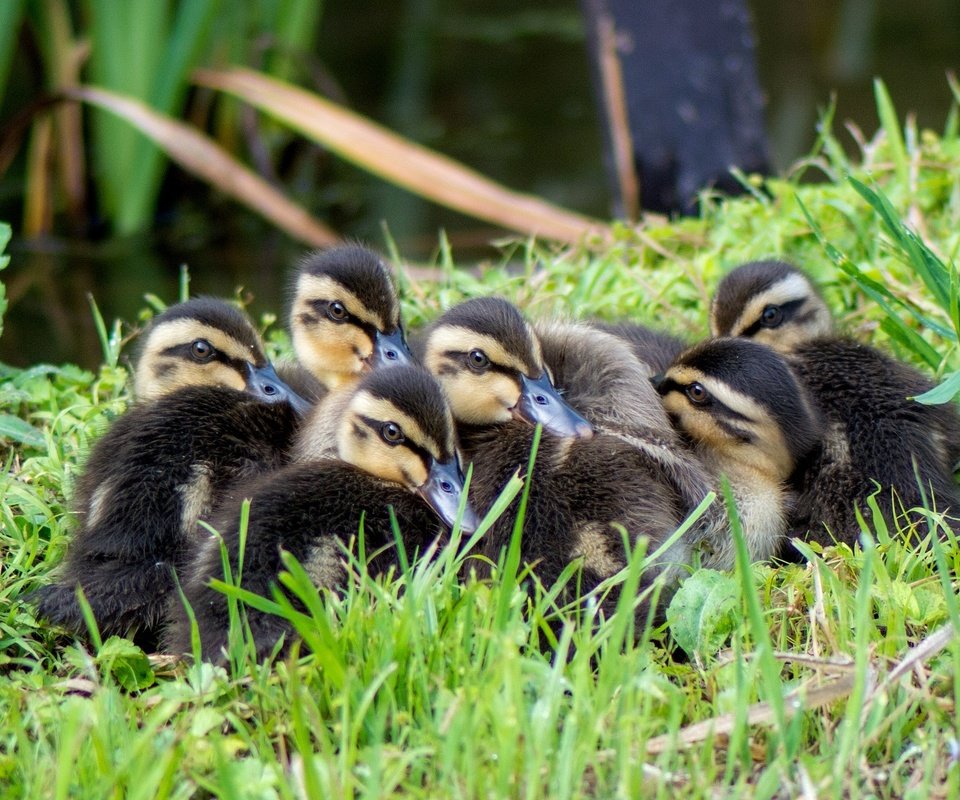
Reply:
x=771, y=317
x=391, y=433
x=337, y=311
x=477, y=360
x=697, y=394
x=201, y=350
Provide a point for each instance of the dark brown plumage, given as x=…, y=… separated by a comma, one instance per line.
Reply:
x=582, y=489
x=313, y=509
x=875, y=432
x=165, y=463
x=656, y=348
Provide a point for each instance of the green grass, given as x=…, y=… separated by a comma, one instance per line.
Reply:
x=420, y=684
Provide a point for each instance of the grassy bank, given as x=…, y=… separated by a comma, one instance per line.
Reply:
x=837, y=678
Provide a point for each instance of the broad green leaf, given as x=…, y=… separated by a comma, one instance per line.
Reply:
x=127, y=663
x=943, y=393
x=704, y=612
x=19, y=430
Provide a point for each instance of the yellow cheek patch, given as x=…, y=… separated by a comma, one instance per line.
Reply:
x=331, y=352
x=158, y=373
x=362, y=446
x=181, y=374
x=480, y=399
x=311, y=288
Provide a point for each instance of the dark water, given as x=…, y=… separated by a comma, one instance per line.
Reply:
x=501, y=86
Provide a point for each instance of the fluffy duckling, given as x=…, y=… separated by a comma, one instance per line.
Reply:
x=750, y=420
x=209, y=411
x=876, y=434
x=344, y=319
x=658, y=349
x=395, y=448
x=600, y=375
x=583, y=488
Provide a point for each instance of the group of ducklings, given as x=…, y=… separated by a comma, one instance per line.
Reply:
x=638, y=428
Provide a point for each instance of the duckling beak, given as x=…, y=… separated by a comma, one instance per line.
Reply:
x=391, y=349
x=657, y=380
x=442, y=491
x=264, y=384
x=540, y=402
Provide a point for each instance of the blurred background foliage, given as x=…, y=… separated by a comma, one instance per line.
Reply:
x=502, y=88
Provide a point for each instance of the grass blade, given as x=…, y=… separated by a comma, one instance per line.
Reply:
x=11, y=12
x=891, y=127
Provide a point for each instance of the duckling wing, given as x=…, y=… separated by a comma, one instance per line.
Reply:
x=148, y=480
x=312, y=511
x=876, y=433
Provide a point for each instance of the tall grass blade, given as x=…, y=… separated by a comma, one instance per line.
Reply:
x=508, y=576
x=896, y=327
x=863, y=607
x=769, y=669
x=109, y=343
x=11, y=14
x=183, y=46
x=201, y=156
x=924, y=261
x=891, y=127
x=400, y=161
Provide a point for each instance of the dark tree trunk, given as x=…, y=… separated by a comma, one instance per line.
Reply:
x=689, y=97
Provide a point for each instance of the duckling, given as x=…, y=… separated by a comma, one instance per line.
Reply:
x=656, y=348
x=600, y=374
x=749, y=419
x=877, y=435
x=395, y=449
x=583, y=486
x=209, y=410
x=344, y=319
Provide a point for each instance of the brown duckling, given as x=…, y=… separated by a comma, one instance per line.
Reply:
x=583, y=489
x=749, y=419
x=656, y=348
x=394, y=449
x=878, y=440
x=209, y=411
x=344, y=320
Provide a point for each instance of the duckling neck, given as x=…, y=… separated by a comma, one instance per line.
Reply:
x=761, y=501
x=318, y=435
x=334, y=381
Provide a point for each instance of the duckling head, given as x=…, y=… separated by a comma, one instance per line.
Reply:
x=489, y=361
x=771, y=302
x=207, y=342
x=740, y=402
x=397, y=426
x=345, y=317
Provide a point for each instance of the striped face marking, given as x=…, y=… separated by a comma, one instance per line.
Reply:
x=480, y=377
x=185, y=352
x=383, y=440
x=731, y=425
x=783, y=316
x=333, y=330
